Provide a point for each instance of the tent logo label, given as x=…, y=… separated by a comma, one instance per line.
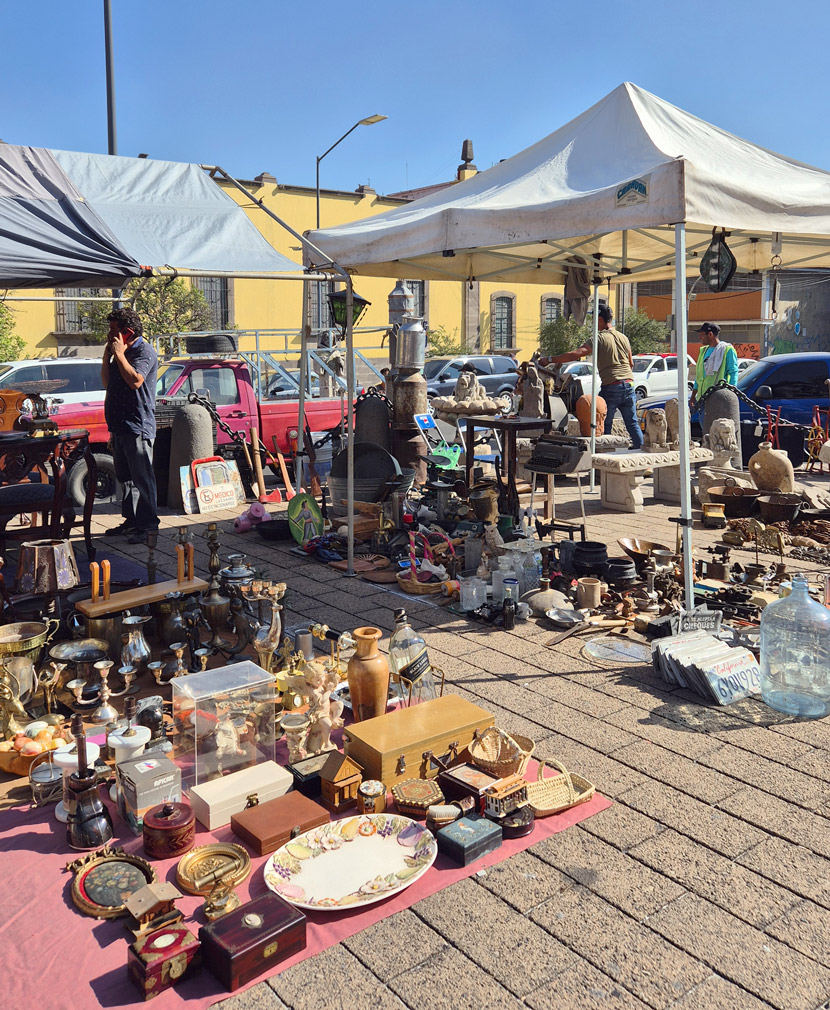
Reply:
x=635, y=191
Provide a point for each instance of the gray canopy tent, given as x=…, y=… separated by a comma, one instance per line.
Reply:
x=72, y=219
x=634, y=187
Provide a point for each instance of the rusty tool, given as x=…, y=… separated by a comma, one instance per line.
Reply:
x=265, y=497
x=289, y=489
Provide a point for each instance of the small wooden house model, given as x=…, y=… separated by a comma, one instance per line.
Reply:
x=339, y=779
x=152, y=907
x=505, y=796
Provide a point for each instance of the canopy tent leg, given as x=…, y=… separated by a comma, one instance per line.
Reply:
x=684, y=433
x=304, y=331
x=350, y=420
x=594, y=385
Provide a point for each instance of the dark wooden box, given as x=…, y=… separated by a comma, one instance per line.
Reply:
x=307, y=775
x=252, y=939
x=267, y=826
x=469, y=838
x=465, y=780
x=160, y=959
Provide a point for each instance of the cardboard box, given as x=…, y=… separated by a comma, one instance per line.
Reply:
x=145, y=782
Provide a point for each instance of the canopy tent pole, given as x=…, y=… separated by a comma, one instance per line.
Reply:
x=350, y=424
x=684, y=433
x=303, y=382
x=594, y=384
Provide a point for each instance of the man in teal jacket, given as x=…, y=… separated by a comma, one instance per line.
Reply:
x=717, y=360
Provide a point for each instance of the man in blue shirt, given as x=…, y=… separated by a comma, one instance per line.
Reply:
x=128, y=373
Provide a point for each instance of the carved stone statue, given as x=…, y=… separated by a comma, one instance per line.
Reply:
x=533, y=394
x=467, y=387
x=723, y=442
x=656, y=433
x=673, y=421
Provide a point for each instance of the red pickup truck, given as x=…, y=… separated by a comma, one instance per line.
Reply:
x=232, y=392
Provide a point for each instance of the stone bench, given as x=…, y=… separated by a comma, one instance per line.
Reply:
x=622, y=473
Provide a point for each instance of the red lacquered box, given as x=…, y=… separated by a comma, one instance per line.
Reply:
x=251, y=939
x=159, y=960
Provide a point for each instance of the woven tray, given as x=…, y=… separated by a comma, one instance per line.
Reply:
x=494, y=752
x=549, y=796
x=415, y=588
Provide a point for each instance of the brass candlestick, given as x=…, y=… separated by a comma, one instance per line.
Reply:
x=105, y=712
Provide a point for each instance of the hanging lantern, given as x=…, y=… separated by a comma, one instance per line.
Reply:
x=337, y=302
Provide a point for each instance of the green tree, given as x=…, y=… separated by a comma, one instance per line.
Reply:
x=11, y=345
x=441, y=343
x=645, y=334
x=562, y=335
x=164, y=306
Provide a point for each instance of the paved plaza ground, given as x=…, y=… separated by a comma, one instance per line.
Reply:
x=706, y=886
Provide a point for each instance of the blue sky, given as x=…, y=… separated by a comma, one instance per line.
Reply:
x=268, y=86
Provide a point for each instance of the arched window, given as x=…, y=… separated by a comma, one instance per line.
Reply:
x=502, y=320
x=551, y=306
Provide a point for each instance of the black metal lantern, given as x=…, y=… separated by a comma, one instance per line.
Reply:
x=337, y=303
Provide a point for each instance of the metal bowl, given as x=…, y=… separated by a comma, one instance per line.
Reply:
x=780, y=507
x=639, y=550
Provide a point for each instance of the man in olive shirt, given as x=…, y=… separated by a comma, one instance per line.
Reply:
x=128, y=373
x=616, y=373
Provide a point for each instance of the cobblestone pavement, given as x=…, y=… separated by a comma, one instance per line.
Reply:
x=706, y=886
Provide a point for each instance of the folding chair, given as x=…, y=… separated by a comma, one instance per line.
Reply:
x=445, y=456
x=488, y=435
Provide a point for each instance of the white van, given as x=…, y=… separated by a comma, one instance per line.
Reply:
x=81, y=377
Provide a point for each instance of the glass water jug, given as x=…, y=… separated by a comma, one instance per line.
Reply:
x=795, y=654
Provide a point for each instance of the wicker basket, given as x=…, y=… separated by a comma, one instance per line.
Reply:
x=500, y=754
x=549, y=796
x=415, y=588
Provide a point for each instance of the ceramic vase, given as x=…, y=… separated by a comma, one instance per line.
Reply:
x=583, y=414
x=368, y=674
x=771, y=469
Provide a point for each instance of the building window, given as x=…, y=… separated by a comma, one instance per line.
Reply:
x=502, y=325
x=321, y=317
x=68, y=318
x=218, y=295
x=418, y=289
x=551, y=309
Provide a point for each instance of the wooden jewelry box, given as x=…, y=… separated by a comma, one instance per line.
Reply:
x=158, y=960
x=414, y=742
x=469, y=838
x=216, y=801
x=466, y=780
x=267, y=826
x=252, y=939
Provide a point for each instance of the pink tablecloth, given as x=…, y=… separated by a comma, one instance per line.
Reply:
x=53, y=955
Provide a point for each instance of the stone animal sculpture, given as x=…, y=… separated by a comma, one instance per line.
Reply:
x=656, y=433
x=672, y=421
x=467, y=387
x=723, y=441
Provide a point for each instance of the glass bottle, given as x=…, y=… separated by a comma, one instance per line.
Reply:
x=795, y=654
x=508, y=606
x=409, y=661
x=531, y=565
x=504, y=571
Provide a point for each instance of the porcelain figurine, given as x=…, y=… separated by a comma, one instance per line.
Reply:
x=324, y=714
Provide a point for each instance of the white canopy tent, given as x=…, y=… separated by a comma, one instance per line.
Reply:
x=634, y=186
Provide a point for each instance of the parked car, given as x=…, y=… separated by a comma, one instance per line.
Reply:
x=81, y=377
x=496, y=373
x=282, y=388
x=794, y=382
x=231, y=390
x=744, y=363
x=657, y=373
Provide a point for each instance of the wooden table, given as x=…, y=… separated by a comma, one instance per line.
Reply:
x=21, y=455
x=510, y=428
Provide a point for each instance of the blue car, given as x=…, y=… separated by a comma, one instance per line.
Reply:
x=794, y=382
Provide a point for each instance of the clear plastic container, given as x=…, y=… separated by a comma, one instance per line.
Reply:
x=504, y=571
x=473, y=593
x=795, y=654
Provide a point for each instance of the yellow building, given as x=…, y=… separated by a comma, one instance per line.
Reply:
x=483, y=318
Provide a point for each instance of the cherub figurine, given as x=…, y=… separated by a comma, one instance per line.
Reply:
x=227, y=743
x=323, y=713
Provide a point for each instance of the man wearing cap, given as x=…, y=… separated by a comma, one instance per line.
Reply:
x=717, y=360
x=615, y=366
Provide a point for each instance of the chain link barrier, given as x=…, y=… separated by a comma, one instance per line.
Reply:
x=723, y=384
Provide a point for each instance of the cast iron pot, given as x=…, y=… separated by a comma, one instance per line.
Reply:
x=738, y=502
x=776, y=508
x=589, y=558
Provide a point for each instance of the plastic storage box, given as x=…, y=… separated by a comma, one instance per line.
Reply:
x=223, y=720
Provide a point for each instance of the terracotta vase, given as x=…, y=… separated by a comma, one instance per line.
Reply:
x=583, y=414
x=368, y=675
x=771, y=469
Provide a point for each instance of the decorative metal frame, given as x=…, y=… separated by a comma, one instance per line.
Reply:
x=82, y=868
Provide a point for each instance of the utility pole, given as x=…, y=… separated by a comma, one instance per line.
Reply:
x=112, y=143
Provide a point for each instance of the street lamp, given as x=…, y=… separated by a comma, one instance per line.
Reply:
x=368, y=121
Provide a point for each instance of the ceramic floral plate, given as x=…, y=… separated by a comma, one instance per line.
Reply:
x=355, y=861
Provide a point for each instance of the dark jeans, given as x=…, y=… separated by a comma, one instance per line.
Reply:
x=133, y=457
x=620, y=397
